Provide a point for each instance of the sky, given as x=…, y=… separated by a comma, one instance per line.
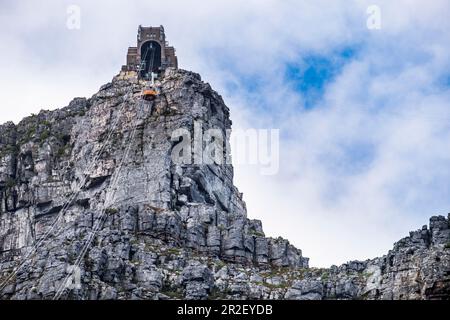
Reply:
x=363, y=113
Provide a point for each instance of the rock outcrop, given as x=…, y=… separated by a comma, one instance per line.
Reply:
x=92, y=206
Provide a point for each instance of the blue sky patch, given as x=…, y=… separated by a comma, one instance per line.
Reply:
x=314, y=72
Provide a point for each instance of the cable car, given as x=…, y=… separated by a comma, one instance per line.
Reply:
x=149, y=94
x=150, y=91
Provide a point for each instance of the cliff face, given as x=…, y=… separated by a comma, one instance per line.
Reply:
x=93, y=207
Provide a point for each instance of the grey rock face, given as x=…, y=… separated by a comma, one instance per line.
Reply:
x=307, y=289
x=93, y=207
x=198, y=281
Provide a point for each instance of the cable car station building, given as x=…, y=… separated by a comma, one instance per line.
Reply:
x=152, y=53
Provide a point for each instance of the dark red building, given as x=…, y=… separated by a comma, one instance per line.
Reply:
x=152, y=53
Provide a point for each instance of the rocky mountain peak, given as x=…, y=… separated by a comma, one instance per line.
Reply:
x=92, y=206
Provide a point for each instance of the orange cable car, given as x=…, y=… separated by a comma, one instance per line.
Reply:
x=149, y=94
x=150, y=91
